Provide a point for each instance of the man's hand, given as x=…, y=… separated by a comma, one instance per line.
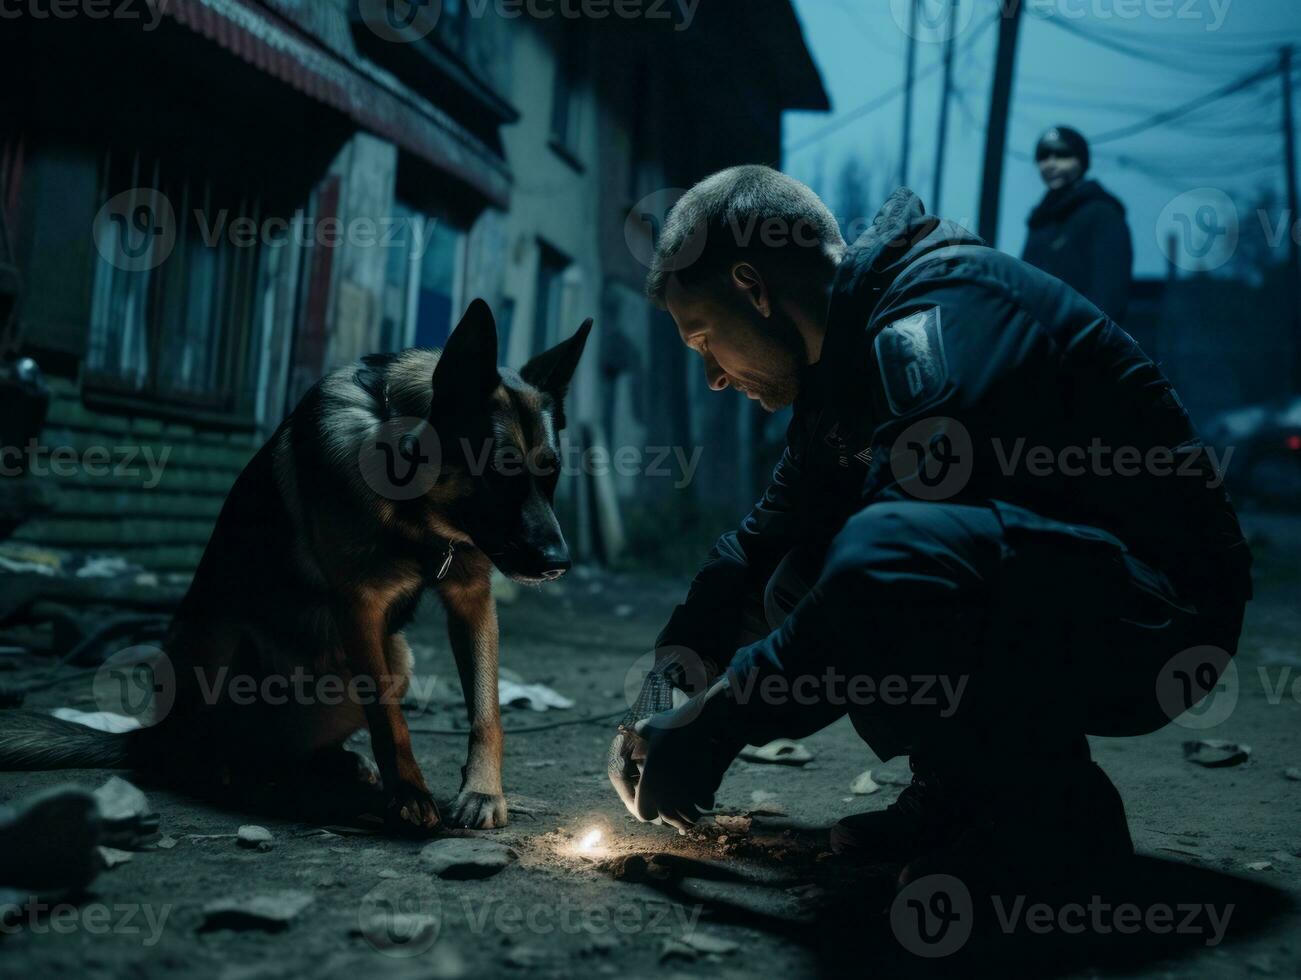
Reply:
x=627, y=752
x=686, y=752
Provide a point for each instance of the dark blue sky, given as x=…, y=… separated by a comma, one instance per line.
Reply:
x=1188, y=48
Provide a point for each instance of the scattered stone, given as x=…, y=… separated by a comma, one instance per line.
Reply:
x=112, y=857
x=864, y=785
x=1292, y=773
x=268, y=912
x=119, y=800
x=703, y=942
x=1260, y=866
x=764, y=803
x=527, y=957
x=733, y=823
x=675, y=949
x=1216, y=753
x=254, y=837
x=389, y=873
x=165, y=843
x=782, y=752
x=460, y=858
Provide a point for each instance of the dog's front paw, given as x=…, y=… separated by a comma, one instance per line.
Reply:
x=412, y=810
x=478, y=811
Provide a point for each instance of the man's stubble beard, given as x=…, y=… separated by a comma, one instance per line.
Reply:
x=782, y=387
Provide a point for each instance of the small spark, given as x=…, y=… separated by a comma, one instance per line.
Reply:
x=590, y=840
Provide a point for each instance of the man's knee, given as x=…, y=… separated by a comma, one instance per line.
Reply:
x=916, y=544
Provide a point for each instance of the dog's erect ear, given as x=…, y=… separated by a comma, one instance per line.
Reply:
x=552, y=370
x=467, y=369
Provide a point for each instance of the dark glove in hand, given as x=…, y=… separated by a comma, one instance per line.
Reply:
x=687, y=751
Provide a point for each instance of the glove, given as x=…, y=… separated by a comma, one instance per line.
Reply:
x=685, y=752
x=661, y=691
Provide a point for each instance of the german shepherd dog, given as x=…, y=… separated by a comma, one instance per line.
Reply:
x=404, y=472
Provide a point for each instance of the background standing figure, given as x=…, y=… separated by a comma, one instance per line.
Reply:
x=1078, y=232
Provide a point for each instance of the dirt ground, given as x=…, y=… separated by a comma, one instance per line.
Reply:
x=1220, y=846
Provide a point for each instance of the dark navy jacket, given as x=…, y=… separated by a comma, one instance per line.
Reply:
x=1079, y=235
x=1027, y=363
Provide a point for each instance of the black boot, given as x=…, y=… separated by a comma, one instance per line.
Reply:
x=1052, y=832
x=922, y=819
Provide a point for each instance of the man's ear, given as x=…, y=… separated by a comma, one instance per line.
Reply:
x=750, y=281
x=467, y=369
x=552, y=370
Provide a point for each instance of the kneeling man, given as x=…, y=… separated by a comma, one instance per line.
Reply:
x=993, y=531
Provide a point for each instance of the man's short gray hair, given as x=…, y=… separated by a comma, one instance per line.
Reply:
x=747, y=214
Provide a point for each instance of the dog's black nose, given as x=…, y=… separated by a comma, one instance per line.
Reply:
x=554, y=569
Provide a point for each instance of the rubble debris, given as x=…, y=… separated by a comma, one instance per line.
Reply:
x=527, y=957
x=112, y=856
x=49, y=840
x=268, y=912
x=119, y=800
x=254, y=837
x=733, y=823
x=691, y=945
x=1292, y=773
x=764, y=803
x=864, y=784
x=535, y=697
x=1260, y=866
x=781, y=752
x=103, y=721
x=703, y=942
x=1216, y=753
x=460, y=858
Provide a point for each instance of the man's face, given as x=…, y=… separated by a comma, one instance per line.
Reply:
x=1059, y=168
x=760, y=356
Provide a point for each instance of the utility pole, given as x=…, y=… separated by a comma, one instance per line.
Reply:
x=1293, y=212
x=1000, y=106
x=910, y=79
x=946, y=95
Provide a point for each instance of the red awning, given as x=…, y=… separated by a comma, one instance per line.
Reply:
x=373, y=99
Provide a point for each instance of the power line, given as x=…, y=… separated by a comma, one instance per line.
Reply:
x=1157, y=55
x=1170, y=115
x=884, y=98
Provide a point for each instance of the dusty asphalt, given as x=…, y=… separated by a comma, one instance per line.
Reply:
x=726, y=902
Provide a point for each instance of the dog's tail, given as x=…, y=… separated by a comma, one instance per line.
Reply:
x=34, y=742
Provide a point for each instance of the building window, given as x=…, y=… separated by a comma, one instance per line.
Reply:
x=179, y=329
x=550, y=296
x=566, y=98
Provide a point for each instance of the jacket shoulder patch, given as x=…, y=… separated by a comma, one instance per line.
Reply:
x=910, y=354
